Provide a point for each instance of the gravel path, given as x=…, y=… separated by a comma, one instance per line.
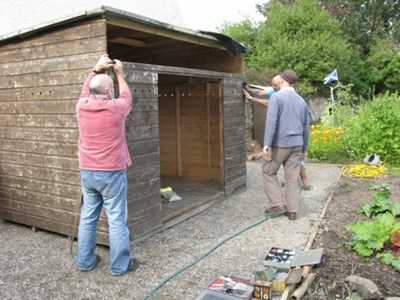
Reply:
x=37, y=265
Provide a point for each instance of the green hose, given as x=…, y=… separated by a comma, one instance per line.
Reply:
x=201, y=257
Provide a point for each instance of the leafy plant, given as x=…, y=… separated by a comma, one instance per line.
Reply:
x=389, y=260
x=371, y=236
x=381, y=202
x=383, y=233
x=374, y=129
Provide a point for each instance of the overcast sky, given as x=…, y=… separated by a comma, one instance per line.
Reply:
x=193, y=14
x=210, y=14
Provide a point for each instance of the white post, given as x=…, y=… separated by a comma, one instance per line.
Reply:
x=332, y=104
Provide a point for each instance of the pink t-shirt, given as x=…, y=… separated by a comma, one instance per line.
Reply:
x=102, y=143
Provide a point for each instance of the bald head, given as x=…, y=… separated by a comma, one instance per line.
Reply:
x=102, y=85
x=276, y=82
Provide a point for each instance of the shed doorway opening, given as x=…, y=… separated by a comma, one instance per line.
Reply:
x=190, y=133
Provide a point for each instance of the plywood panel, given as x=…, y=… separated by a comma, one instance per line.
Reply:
x=168, y=131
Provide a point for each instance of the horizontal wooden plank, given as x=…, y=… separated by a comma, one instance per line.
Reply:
x=145, y=104
x=234, y=111
x=234, y=121
x=51, y=64
x=39, y=211
x=141, y=118
x=37, y=222
x=39, y=134
x=142, y=216
x=145, y=174
x=144, y=90
x=234, y=140
x=39, y=120
x=142, y=201
x=143, y=147
x=142, y=132
x=145, y=161
x=145, y=228
x=138, y=189
x=41, y=186
x=44, y=79
x=235, y=160
x=239, y=129
x=235, y=149
x=29, y=59
x=70, y=33
x=39, y=107
x=40, y=199
x=235, y=186
x=40, y=147
x=38, y=94
x=47, y=174
x=39, y=160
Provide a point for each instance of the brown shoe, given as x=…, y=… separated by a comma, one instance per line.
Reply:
x=292, y=216
x=276, y=211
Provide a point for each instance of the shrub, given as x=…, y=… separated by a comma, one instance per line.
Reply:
x=325, y=143
x=374, y=129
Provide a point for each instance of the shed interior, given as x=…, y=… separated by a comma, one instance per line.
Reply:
x=190, y=108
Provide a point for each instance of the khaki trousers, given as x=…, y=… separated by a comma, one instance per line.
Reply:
x=290, y=158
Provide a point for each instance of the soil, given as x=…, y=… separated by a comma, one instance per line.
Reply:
x=338, y=262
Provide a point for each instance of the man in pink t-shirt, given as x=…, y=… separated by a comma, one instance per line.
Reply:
x=103, y=159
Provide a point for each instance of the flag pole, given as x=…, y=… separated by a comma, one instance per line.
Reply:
x=332, y=105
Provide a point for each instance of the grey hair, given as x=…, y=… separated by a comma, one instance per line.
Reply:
x=99, y=84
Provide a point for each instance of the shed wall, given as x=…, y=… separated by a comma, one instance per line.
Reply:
x=41, y=80
x=234, y=134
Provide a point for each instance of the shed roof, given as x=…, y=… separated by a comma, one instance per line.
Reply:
x=110, y=13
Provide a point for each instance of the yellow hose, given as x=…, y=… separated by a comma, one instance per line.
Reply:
x=363, y=171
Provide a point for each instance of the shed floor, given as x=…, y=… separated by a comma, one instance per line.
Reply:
x=197, y=196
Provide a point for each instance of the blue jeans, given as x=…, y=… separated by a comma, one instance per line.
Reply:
x=108, y=190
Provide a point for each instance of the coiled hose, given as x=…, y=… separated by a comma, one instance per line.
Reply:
x=363, y=171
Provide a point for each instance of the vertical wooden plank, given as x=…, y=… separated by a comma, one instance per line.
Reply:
x=208, y=89
x=178, y=132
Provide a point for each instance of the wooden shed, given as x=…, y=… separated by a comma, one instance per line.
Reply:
x=186, y=130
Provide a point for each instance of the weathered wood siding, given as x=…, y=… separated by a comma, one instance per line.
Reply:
x=234, y=134
x=39, y=174
x=41, y=79
x=142, y=134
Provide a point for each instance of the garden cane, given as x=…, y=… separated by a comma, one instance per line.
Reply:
x=76, y=223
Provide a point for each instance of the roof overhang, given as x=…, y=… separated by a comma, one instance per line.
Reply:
x=126, y=19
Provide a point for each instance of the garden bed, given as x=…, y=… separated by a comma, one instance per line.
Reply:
x=338, y=262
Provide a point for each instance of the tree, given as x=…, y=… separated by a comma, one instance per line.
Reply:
x=364, y=21
x=303, y=37
x=384, y=63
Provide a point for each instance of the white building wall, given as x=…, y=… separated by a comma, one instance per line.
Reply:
x=21, y=14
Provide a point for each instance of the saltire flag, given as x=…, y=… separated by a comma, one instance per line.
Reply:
x=331, y=77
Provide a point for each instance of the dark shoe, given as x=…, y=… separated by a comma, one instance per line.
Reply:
x=307, y=188
x=133, y=265
x=276, y=211
x=292, y=216
x=98, y=260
